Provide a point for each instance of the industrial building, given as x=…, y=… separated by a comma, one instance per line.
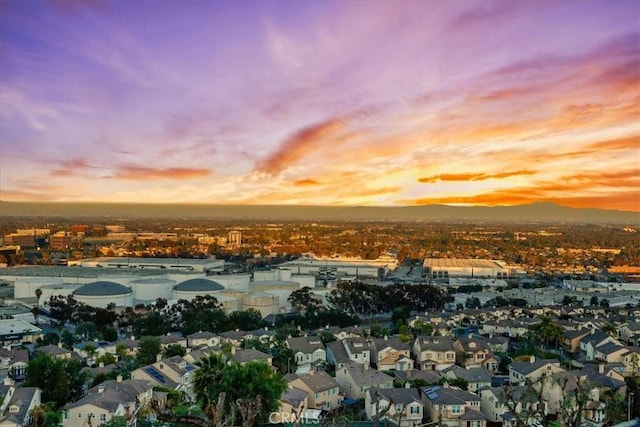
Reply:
x=267, y=292
x=334, y=268
x=186, y=264
x=441, y=269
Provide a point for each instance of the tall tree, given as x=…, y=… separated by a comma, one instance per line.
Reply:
x=148, y=350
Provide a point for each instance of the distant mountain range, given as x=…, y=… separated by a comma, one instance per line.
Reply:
x=536, y=212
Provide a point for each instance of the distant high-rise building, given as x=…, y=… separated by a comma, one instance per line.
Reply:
x=235, y=238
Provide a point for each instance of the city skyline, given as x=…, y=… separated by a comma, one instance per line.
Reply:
x=321, y=103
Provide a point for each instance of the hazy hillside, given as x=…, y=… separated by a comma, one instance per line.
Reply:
x=537, y=212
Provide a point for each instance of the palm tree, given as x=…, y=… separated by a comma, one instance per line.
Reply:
x=209, y=372
x=548, y=331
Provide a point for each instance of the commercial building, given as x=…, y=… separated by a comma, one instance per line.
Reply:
x=441, y=269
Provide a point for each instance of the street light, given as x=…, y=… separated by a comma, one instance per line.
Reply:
x=629, y=406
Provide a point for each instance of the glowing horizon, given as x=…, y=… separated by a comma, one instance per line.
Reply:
x=472, y=103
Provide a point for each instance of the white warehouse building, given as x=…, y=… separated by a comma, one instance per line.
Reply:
x=445, y=268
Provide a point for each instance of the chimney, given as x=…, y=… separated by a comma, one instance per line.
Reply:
x=8, y=381
x=386, y=337
x=60, y=344
x=365, y=366
x=100, y=389
x=101, y=365
x=532, y=358
x=601, y=368
x=445, y=384
x=158, y=357
x=119, y=378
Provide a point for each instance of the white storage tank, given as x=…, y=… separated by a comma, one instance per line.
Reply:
x=229, y=304
x=102, y=293
x=25, y=287
x=233, y=281
x=152, y=289
x=189, y=289
x=264, y=302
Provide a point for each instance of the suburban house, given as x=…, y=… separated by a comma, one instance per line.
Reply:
x=356, y=379
x=406, y=409
x=293, y=403
x=205, y=338
x=108, y=399
x=15, y=361
x=434, y=352
x=511, y=406
x=448, y=405
x=17, y=405
x=521, y=372
x=391, y=354
x=631, y=360
x=595, y=339
x=474, y=353
x=172, y=339
x=323, y=390
x=610, y=352
x=249, y=355
x=173, y=372
x=234, y=338
x=55, y=351
x=349, y=350
x=477, y=378
x=571, y=340
x=629, y=332
x=308, y=351
x=349, y=332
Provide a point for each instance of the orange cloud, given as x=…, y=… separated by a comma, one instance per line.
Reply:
x=305, y=182
x=137, y=173
x=630, y=143
x=300, y=144
x=474, y=176
x=71, y=167
x=627, y=201
x=609, y=190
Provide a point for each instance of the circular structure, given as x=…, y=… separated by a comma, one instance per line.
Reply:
x=152, y=289
x=263, y=302
x=103, y=293
x=191, y=288
x=229, y=304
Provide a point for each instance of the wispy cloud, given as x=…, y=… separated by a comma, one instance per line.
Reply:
x=475, y=176
x=139, y=173
x=301, y=144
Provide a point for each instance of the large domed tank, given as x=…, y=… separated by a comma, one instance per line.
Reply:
x=103, y=293
x=189, y=289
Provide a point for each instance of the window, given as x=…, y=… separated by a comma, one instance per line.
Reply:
x=480, y=356
x=478, y=423
x=103, y=417
x=415, y=409
x=66, y=415
x=456, y=409
x=450, y=356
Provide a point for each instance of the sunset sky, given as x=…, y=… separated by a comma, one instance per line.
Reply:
x=321, y=102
